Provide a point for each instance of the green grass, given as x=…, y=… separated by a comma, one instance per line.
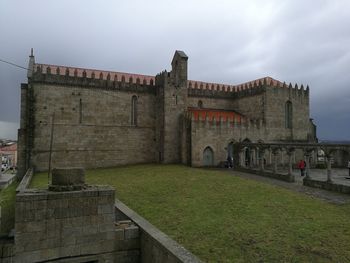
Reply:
x=7, y=203
x=222, y=218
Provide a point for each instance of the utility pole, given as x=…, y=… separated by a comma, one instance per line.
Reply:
x=51, y=142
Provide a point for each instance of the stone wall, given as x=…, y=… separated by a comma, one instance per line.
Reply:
x=276, y=98
x=156, y=247
x=92, y=115
x=92, y=128
x=52, y=225
x=7, y=250
x=217, y=136
x=251, y=107
x=212, y=103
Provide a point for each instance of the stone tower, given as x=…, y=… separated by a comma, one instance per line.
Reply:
x=171, y=104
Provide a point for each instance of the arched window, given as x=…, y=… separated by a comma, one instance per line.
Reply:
x=289, y=115
x=200, y=104
x=134, y=110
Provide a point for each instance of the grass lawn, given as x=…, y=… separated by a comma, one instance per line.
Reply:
x=7, y=204
x=222, y=218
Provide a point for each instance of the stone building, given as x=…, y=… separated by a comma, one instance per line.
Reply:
x=100, y=119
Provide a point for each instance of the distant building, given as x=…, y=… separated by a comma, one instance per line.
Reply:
x=8, y=153
x=104, y=118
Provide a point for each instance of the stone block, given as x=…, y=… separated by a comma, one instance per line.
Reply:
x=105, y=208
x=127, y=244
x=119, y=234
x=130, y=256
x=49, y=253
x=131, y=232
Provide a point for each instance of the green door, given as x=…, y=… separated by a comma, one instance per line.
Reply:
x=208, y=157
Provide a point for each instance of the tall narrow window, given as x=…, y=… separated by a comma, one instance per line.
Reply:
x=289, y=115
x=80, y=111
x=134, y=110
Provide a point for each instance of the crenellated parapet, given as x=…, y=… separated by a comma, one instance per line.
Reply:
x=251, y=88
x=69, y=76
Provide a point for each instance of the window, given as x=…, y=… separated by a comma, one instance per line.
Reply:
x=200, y=104
x=289, y=115
x=134, y=110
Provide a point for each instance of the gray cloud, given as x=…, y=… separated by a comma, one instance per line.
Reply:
x=226, y=41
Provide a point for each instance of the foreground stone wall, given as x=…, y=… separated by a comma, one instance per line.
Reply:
x=155, y=246
x=52, y=225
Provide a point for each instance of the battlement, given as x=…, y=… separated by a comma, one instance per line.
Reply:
x=94, y=74
x=254, y=87
x=92, y=78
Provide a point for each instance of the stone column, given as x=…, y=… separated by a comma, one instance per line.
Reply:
x=261, y=159
x=290, y=163
x=307, y=160
x=329, y=168
x=274, y=153
x=251, y=165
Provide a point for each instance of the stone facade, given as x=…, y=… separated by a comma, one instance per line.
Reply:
x=52, y=225
x=102, y=119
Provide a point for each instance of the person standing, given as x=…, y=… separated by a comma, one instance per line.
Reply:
x=349, y=167
x=301, y=166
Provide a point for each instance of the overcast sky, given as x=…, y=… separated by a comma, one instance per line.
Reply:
x=299, y=41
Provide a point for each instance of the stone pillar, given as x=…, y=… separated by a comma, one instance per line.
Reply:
x=241, y=158
x=70, y=221
x=307, y=160
x=274, y=161
x=329, y=168
x=261, y=159
x=290, y=163
x=251, y=165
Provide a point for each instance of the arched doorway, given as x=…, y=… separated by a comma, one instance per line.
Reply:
x=208, y=157
x=230, y=150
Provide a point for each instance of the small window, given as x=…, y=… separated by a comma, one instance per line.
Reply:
x=200, y=104
x=289, y=115
x=134, y=110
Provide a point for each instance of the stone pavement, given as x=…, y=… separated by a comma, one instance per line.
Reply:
x=332, y=197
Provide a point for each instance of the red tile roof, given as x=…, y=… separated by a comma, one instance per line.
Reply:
x=210, y=114
x=9, y=148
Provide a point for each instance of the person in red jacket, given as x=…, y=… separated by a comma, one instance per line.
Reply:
x=301, y=166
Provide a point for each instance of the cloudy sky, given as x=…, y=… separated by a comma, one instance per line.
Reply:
x=298, y=41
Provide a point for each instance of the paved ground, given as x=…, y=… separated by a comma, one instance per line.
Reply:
x=332, y=197
x=6, y=179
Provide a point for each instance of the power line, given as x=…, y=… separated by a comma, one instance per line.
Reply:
x=13, y=64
